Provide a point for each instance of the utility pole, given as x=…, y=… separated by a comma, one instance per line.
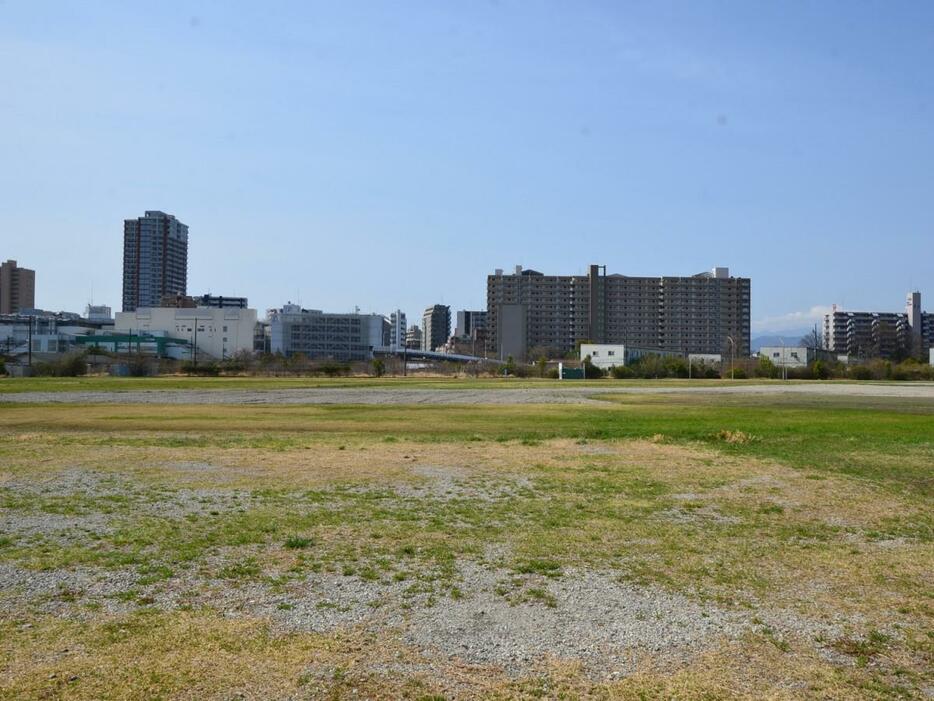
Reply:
x=29, y=341
x=732, y=356
x=784, y=372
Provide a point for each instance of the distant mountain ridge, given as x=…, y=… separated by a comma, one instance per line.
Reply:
x=774, y=338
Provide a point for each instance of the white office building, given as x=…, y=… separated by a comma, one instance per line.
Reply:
x=397, y=330
x=217, y=333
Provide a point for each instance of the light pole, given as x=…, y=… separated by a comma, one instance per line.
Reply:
x=784, y=371
x=732, y=355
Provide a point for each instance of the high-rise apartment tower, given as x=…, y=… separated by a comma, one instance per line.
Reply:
x=155, y=259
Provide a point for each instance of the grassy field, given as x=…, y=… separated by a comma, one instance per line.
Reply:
x=647, y=547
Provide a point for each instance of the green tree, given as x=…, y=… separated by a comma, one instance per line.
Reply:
x=510, y=366
x=541, y=363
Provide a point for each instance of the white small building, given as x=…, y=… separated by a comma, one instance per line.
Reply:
x=931, y=356
x=604, y=355
x=218, y=332
x=794, y=356
x=609, y=355
x=705, y=358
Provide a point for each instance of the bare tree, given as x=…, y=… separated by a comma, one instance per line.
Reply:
x=813, y=338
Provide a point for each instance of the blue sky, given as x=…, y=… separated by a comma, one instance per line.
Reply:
x=392, y=154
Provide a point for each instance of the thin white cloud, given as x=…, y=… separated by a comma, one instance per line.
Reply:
x=792, y=320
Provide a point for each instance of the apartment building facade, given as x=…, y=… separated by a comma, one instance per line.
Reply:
x=17, y=288
x=704, y=313
x=319, y=335
x=470, y=323
x=436, y=327
x=397, y=330
x=891, y=335
x=155, y=259
x=413, y=337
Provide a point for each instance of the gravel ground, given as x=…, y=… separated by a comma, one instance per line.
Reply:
x=505, y=395
x=592, y=617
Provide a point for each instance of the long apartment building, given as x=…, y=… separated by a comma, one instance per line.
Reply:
x=318, y=334
x=704, y=313
x=890, y=335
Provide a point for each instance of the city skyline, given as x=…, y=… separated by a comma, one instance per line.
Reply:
x=443, y=143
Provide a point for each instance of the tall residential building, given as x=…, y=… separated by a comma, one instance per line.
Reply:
x=155, y=259
x=881, y=334
x=413, y=338
x=436, y=326
x=17, y=288
x=469, y=323
x=705, y=313
x=317, y=334
x=397, y=330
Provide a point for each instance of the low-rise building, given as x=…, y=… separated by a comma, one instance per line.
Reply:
x=99, y=314
x=794, y=356
x=609, y=355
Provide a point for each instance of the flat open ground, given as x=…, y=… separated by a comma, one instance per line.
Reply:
x=465, y=539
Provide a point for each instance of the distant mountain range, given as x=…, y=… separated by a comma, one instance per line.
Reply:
x=774, y=338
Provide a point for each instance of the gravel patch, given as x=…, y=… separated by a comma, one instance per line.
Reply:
x=605, y=624
x=592, y=617
x=505, y=395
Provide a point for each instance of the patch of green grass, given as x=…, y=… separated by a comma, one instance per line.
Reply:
x=547, y=568
x=297, y=542
x=248, y=568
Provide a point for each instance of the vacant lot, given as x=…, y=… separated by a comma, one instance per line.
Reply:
x=745, y=545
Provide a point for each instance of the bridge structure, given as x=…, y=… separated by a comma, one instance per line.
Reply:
x=417, y=354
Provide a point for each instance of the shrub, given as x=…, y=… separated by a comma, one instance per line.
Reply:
x=204, y=369
x=860, y=372
x=2, y=367
x=379, y=367
x=591, y=371
x=766, y=368
x=510, y=367
x=820, y=370
x=333, y=369
x=552, y=374
x=675, y=367
x=740, y=373
x=621, y=372
x=69, y=365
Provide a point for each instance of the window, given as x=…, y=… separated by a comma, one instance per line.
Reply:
x=611, y=353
